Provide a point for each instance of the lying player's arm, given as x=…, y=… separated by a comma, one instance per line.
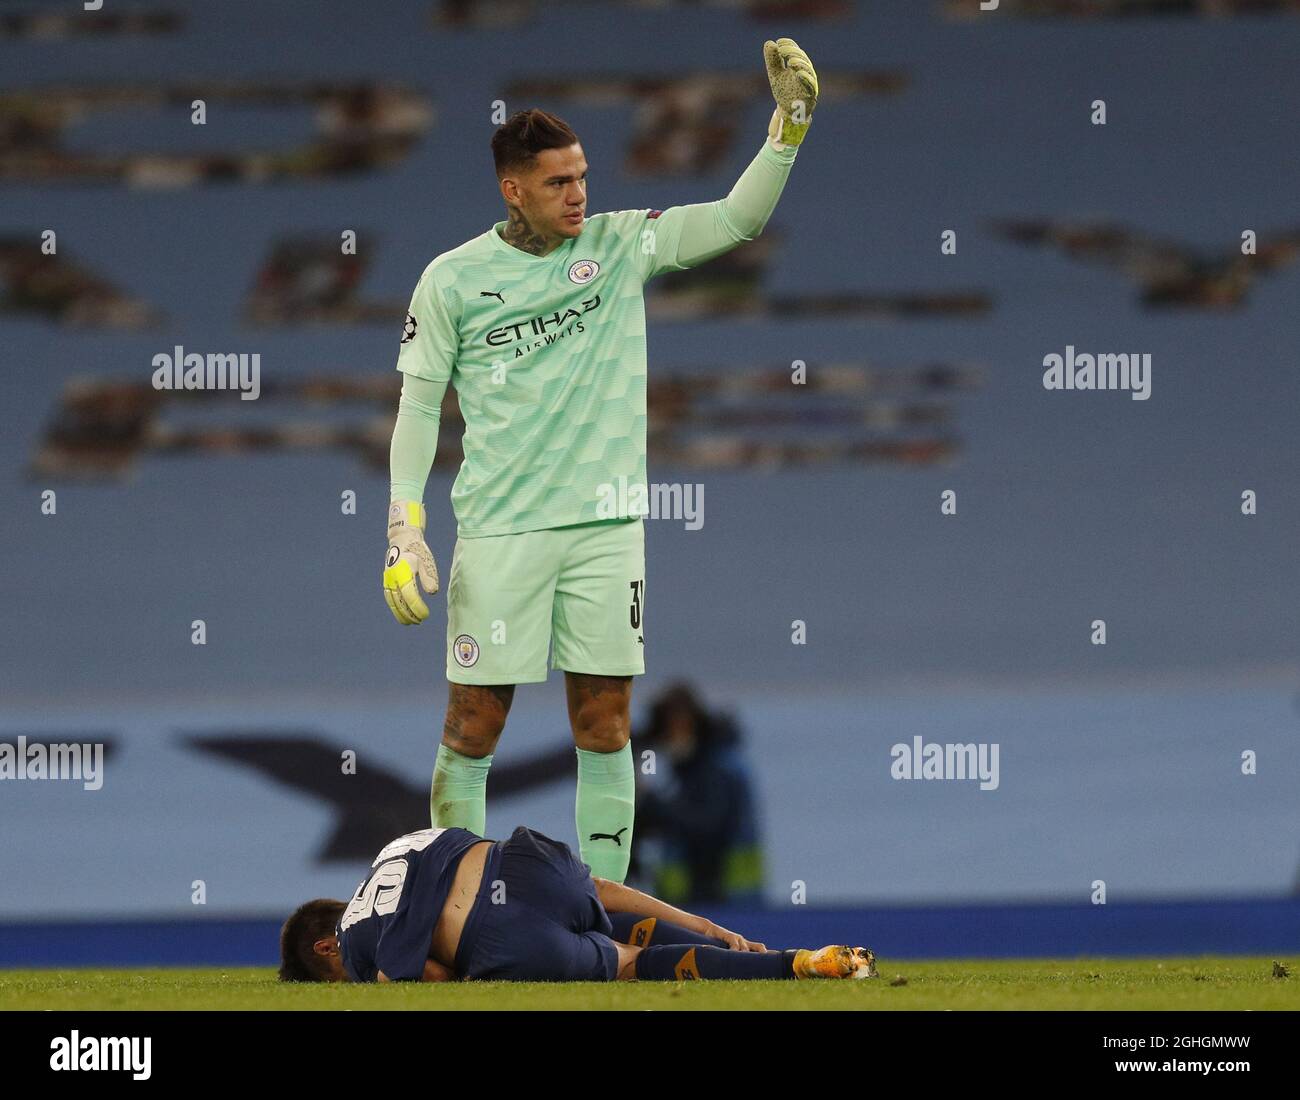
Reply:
x=434, y=971
x=617, y=898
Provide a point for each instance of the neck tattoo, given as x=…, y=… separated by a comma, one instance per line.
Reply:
x=520, y=234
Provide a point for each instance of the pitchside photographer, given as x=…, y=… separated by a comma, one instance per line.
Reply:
x=697, y=830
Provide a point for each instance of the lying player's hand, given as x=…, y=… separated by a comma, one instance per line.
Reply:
x=731, y=939
x=408, y=558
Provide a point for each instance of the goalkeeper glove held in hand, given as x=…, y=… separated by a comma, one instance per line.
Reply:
x=794, y=85
x=408, y=558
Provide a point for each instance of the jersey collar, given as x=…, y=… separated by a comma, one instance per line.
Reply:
x=510, y=249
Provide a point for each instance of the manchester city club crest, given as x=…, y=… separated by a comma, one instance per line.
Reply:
x=466, y=650
x=583, y=271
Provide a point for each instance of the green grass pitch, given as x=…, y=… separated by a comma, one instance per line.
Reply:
x=1199, y=983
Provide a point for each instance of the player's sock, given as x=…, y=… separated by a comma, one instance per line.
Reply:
x=605, y=807
x=678, y=962
x=458, y=797
x=651, y=932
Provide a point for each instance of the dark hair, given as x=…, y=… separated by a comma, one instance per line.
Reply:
x=525, y=134
x=310, y=922
x=711, y=727
x=677, y=698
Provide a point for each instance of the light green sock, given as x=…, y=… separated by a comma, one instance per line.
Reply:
x=605, y=807
x=458, y=797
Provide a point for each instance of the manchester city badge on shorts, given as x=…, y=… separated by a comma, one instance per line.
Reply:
x=465, y=649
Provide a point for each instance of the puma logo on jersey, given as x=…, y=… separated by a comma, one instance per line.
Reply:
x=492, y=294
x=615, y=837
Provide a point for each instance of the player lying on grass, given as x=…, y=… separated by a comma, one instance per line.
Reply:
x=445, y=904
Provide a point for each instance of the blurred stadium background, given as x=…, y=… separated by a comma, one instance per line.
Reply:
x=1119, y=763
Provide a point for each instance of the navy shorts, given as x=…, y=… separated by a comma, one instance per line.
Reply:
x=546, y=924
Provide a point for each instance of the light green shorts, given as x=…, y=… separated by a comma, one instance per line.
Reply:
x=578, y=590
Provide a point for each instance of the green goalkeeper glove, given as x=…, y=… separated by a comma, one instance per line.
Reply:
x=408, y=558
x=794, y=84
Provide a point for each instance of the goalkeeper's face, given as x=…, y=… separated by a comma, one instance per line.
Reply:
x=552, y=193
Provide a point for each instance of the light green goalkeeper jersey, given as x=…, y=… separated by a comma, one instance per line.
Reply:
x=548, y=357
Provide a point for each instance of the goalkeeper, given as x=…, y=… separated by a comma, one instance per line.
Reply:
x=539, y=322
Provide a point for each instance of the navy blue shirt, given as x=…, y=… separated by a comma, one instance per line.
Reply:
x=388, y=924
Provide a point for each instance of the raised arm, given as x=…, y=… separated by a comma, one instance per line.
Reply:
x=709, y=229
x=685, y=236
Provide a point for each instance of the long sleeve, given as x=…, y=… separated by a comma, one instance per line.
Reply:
x=427, y=359
x=415, y=437
x=685, y=236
